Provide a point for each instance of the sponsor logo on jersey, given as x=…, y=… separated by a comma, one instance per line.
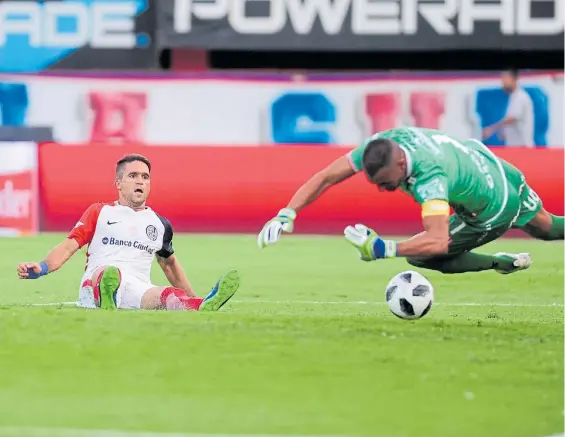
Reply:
x=152, y=232
x=433, y=190
x=128, y=243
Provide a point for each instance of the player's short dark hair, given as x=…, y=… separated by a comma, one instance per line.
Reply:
x=513, y=72
x=132, y=157
x=377, y=155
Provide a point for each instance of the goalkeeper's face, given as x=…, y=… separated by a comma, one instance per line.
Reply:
x=388, y=179
x=391, y=176
x=134, y=183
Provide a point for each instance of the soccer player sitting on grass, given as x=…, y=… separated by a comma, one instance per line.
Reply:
x=123, y=238
x=488, y=195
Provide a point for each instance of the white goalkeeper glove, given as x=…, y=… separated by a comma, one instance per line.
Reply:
x=368, y=243
x=271, y=232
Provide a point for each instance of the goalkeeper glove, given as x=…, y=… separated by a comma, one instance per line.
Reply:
x=368, y=243
x=271, y=232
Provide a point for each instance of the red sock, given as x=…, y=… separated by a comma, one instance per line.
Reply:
x=176, y=299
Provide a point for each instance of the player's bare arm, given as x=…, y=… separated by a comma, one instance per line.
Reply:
x=175, y=274
x=54, y=260
x=338, y=171
x=433, y=241
x=488, y=131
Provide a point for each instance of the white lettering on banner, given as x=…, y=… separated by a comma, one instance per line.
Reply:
x=14, y=203
x=373, y=17
x=100, y=25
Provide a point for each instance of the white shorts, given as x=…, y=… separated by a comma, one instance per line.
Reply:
x=128, y=297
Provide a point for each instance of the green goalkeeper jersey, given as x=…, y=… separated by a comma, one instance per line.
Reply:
x=481, y=188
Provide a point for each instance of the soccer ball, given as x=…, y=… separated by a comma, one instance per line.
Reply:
x=409, y=295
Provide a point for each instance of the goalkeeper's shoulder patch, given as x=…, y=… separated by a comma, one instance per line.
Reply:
x=435, y=207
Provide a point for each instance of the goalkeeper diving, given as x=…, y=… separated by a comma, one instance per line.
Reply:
x=489, y=196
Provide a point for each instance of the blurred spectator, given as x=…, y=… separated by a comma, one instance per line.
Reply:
x=517, y=127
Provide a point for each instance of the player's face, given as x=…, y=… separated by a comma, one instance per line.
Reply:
x=508, y=82
x=135, y=183
x=390, y=177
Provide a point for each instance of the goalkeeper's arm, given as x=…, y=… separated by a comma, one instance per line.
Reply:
x=336, y=172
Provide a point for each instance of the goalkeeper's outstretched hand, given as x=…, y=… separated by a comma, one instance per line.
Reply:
x=368, y=243
x=271, y=232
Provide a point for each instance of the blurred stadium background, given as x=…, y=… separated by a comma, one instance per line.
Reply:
x=236, y=103
x=250, y=97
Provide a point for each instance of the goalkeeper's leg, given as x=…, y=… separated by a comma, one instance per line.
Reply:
x=474, y=262
x=460, y=258
x=545, y=226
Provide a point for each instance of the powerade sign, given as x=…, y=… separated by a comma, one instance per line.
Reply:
x=34, y=35
x=390, y=25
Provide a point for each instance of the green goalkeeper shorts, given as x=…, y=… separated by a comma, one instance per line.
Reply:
x=465, y=237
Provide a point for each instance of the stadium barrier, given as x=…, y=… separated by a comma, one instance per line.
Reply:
x=264, y=108
x=223, y=189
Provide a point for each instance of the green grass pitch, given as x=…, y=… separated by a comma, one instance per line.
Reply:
x=306, y=347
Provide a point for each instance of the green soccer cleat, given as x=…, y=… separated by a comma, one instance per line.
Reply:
x=109, y=283
x=223, y=291
x=520, y=261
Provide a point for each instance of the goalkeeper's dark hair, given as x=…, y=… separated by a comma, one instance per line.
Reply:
x=377, y=155
x=133, y=157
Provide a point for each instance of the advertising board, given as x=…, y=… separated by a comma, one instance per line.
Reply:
x=237, y=189
x=235, y=110
x=18, y=189
x=386, y=25
x=78, y=34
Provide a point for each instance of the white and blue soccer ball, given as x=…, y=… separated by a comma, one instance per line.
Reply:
x=409, y=295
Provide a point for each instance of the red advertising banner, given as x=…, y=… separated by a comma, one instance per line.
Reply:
x=18, y=189
x=18, y=203
x=225, y=189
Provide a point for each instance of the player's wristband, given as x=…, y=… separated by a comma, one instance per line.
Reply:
x=44, y=268
x=384, y=248
x=43, y=272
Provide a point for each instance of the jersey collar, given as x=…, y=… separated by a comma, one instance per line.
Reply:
x=145, y=208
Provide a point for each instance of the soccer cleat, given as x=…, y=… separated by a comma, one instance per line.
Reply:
x=223, y=291
x=520, y=261
x=108, y=285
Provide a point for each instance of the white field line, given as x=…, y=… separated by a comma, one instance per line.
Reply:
x=363, y=302
x=316, y=302
x=68, y=432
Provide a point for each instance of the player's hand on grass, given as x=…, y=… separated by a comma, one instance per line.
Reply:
x=368, y=243
x=271, y=232
x=32, y=270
